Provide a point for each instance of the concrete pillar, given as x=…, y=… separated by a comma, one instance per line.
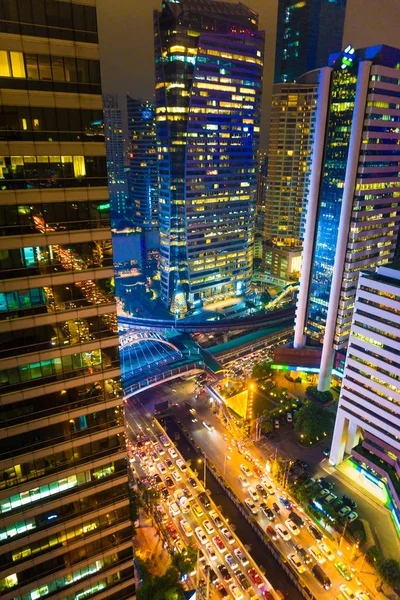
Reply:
x=353, y=437
x=312, y=206
x=225, y=336
x=344, y=223
x=339, y=439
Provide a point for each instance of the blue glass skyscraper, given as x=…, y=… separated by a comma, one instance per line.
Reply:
x=209, y=61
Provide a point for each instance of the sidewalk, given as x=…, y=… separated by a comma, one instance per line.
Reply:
x=148, y=546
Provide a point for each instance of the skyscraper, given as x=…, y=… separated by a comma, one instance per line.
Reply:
x=143, y=182
x=353, y=210
x=65, y=518
x=117, y=179
x=291, y=127
x=209, y=61
x=308, y=31
x=368, y=419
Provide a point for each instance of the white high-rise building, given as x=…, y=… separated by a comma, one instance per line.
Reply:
x=368, y=418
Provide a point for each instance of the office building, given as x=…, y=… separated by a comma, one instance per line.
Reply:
x=308, y=31
x=289, y=152
x=143, y=182
x=209, y=62
x=368, y=419
x=115, y=154
x=262, y=171
x=65, y=517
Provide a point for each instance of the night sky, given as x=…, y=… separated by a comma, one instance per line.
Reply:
x=126, y=41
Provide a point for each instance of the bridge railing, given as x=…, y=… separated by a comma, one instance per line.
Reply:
x=147, y=382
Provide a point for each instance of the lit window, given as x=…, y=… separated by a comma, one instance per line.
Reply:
x=4, y=64
x=17, y=64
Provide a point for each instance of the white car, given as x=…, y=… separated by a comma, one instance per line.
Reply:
x=246, y=470
x=187, y=530
x=227, y=534
x=283, y=532
x=316, y=554
x=208, y=426
x=165, y=441
x=296, y=562
x=347, y=593
x=201, y=536
x=208, y=526
x=172, y=452
x=352, y=516
x=211, y=552
x=243, y=481
x=235, y=591
x=251, y=506
x=344, y=511
x=327, y=551
x=161, y=468
x=231, y=561
x=180, y=463
x=216, y=518
x=176, y=475
x=254, y=496
x=291, y=525
x=174, y=509
x=240, y=555
x=360, y=595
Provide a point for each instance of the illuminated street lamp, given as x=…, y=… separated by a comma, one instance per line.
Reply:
x=201, y=460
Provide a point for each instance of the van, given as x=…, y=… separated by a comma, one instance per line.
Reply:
x=296, y=519
x=321, y=576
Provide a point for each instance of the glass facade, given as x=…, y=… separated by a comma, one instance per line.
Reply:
x=308, y=31
x=65, y=515
x=208, y=90
x=143, y=180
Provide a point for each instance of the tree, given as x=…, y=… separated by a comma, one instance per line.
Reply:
x=149, y=499
x=266, y=427
x=313, y=422
x=166, y=587
x=265, y=297
x=261, y=370
x=301, y=493
x=390, y=571
x=185, y=562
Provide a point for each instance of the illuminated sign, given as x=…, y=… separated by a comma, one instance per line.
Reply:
x=347, y=57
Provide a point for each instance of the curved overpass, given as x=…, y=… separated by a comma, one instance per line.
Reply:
x=274, y=318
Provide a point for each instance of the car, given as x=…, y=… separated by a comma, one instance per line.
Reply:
x=222, y=591
x=289, y=417
x=159, y=449
x=271, y=532
x=344, y=571
x=326, y=451
x=246, y=471
x=296, y=562
x=316, y=533
x=268, y=513
x=251, y=506
x=161, y=468
x=347, y=593
x=317, y=554
x=276, y=508
x=174, y=509
x=286, y=502
x=258, y=472
x=324, y=492
x=349, y=502
x=208, y=426
x=254, y=496
x=225, y=573
x=187, y=530
x=216, y=519
x=176, y=475
x=192, y=411
x=180, y=546
x=197, y=511
x=208, y=526
x=201, y=536
x=169, y=482
x=276, y=423
x=164, y=493
x=211, y=552
x=302, y=553
x=235, y=591
x=240, y=555
x=243, y=481
x=181, y=464
x=178, y=494
x=327, y=551
x=157, y=481
x=219, y=544
x=360, y=595
x=172, y=530
x=172, y=452
x=256, y=579
x=165, y=441
x=155, y=456
x=330, y=498
x=293, y=516
x=285, y=535
x=204, y=499
x=270, y=489
x=326, y=483
x=352, y=516
x=228, y=536
x=193, y=482
x=170, y=464
x=242, y=580
x=291, y=525
x=212, y=574
x=344, y=511
x=261, y=490
x=231, y=561
x=188, y=494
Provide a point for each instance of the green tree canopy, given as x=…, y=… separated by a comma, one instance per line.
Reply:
x=185, y=562
x=261, y=370
x=164, y=587
x=390, y=571
x=313, y=421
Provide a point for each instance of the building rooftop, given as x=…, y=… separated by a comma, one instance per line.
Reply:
x=211, y=8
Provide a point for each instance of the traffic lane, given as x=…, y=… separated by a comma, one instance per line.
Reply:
x=190, y=516
x=216, y=448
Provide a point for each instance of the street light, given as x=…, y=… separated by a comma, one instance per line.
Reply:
x=226, y=458
x=200, y=460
